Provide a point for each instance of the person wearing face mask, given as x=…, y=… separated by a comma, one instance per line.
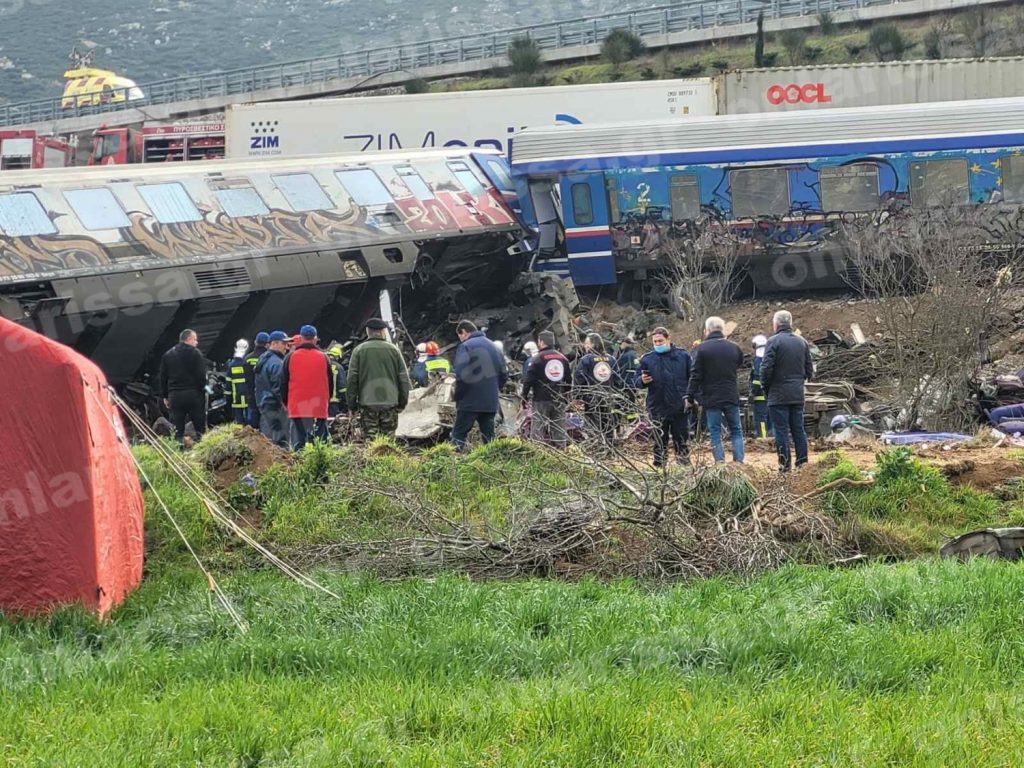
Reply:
x=665, y=374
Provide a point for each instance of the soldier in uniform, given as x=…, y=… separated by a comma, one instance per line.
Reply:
x=378, y=382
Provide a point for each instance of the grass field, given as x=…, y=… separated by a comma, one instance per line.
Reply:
x=908, y=664
x=916, y=664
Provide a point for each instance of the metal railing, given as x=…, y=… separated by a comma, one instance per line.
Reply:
x=409, y=58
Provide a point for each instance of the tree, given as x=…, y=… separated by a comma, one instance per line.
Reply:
x=621, y=46
x=933, y=43
x=887, y=42
x=417, y=85
x=759, y=41
x=795, y=43
x=524, y=56
x=976, y=27
x=826, y=24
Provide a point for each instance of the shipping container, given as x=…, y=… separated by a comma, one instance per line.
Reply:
x=867, y=85
x=483, y=119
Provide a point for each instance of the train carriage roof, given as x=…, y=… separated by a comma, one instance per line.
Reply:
x=776, y=136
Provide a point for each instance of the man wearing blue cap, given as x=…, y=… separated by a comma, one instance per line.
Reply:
x=306, y=382
x=259, y=347
x=268, y=389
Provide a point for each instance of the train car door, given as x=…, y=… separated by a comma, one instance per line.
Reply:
x=588, y=236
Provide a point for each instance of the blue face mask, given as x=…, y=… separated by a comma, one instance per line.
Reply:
x=661, y=348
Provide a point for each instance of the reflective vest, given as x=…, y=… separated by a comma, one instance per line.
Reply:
x=236, y=383
x=335, y=369
x=756, y=390
x=438, y=365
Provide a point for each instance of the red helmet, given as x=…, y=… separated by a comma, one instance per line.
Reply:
x=432, y=348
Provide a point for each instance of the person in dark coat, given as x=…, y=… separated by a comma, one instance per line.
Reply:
x=339, y=401
x=626, y=364
x=183, y=384
x=259, y=347
x=786, y=368
x=594, y=383
x=713, y=383
x=546, y=379
x=273, y=418
x=665, y=374
x=480, y=373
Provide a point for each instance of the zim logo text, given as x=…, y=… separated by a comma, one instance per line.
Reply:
x=264, y=142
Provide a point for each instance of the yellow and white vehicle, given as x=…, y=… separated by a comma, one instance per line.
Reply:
x=90, y=87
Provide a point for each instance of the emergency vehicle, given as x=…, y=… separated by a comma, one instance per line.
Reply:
x=157, y=144
x=20, y=150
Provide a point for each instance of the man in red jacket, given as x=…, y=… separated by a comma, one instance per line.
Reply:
x=306, y=380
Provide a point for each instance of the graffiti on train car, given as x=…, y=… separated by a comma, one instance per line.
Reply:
x=149, y=241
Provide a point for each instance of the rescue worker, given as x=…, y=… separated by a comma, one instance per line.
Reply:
x=183, y=384
x=339, y=379
x=259, y=347
x=306, y=383
x=268, y=389
x=713, y=382
x=594, y=379
x=786, y=368
x=480, y=373
x=238, y=389
x=419, y=368
x=436, y=365
x=626, y=364
x=665, y=373
x=546, y=378
x=378, y=382
x=762, y=424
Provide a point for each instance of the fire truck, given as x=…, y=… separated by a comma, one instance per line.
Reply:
x=27, y=149
x=157, y=144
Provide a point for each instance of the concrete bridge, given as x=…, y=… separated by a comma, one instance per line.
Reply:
x=680, y=23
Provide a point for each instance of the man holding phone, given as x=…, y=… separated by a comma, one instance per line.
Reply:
x=665, y=374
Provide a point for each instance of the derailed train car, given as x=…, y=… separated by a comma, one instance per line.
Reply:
x=611, y=201
x=116, y=261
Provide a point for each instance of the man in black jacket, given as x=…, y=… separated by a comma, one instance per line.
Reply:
x=183, y=384
x=713, y=384
x=546, y=377
x=787, y=366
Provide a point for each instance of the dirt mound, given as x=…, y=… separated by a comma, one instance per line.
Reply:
x=249, y=453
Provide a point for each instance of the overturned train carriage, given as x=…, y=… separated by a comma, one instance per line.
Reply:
x=116, y=261
x=617, y=203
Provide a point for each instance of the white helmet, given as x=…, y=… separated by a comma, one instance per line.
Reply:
x=530, y=349
x=241, y=347
x=760, y=340
x=422, y=348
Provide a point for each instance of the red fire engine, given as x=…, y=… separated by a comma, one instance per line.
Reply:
x=157, y=144
x=27, y=149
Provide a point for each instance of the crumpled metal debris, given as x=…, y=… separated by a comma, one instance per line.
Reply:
x=996, y=543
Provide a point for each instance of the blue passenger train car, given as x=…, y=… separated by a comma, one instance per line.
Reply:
x=606, y=200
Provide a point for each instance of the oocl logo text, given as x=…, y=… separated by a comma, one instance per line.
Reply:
x=811, y=93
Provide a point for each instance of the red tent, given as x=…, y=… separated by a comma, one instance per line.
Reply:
x=70, y=500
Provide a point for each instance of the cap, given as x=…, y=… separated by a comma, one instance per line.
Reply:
x=376, y=324
x=262, y=337
x=278, y=336
x=307, y=332
x=760, y=340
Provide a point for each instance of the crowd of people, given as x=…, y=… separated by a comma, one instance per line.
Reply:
x=289, y=387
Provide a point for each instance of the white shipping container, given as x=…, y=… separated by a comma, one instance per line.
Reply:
x=868, y=85
x=485, y=119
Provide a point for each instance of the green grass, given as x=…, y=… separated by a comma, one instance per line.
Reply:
x=909, y=665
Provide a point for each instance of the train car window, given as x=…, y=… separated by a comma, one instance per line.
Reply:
x=935, y=183
x=1013, y=178
x=303, y=192
x=21, y=215
x=169, y=203
x=468, y=179
x=582, y=204
x=852, y=188
x=419, y=188
x=611, y=188
x=760, y=192
x=684, y=193
x=97, y=208
x=500, y=171
x=364, y=186
x=241, y=201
